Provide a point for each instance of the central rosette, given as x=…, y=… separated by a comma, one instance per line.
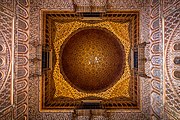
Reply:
x=92, y=60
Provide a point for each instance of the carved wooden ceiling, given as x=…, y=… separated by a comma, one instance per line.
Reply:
x=89, y=57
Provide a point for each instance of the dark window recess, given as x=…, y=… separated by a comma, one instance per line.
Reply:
x=45, y=59
x=89, y=105
x=91, y=14
x=135, y=59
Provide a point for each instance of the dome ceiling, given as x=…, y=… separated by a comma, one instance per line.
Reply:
x=92, y=60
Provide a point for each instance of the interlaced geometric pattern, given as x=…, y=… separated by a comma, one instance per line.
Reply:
x=58, y=89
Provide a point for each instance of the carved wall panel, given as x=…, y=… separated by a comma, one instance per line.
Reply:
x=6, y=57
x=156, y=60
x=21, y=59
x=8, y=4
x=171, y=28
x=14, y=16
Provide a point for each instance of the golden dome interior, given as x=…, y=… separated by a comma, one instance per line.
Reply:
x=92, y=60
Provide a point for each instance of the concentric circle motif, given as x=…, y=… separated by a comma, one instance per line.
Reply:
x=92, y=60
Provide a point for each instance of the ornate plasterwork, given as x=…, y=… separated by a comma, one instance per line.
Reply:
x=156, y=61
x=14, y=28
x=153, y=52
x=164, y=33
x=120, y=27
x=35, y=35
x=171, y=83
x=6, y=40
x=121, y=88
